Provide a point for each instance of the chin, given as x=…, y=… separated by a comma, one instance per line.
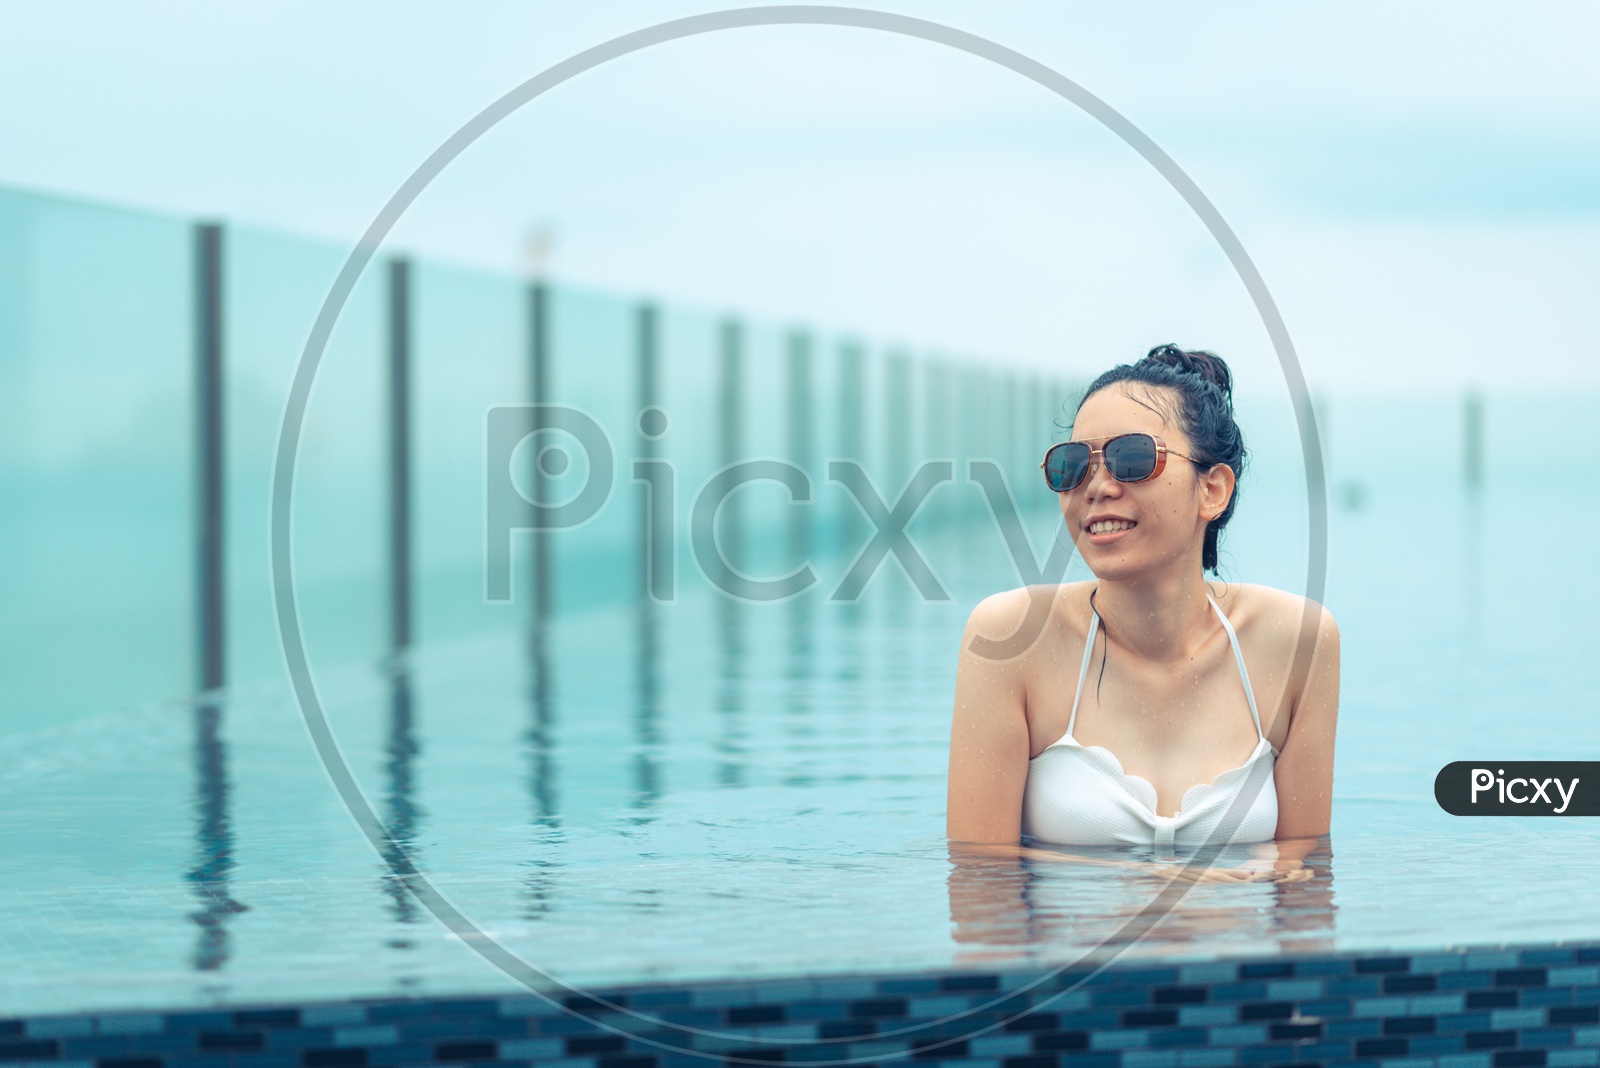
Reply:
x=1115, y=570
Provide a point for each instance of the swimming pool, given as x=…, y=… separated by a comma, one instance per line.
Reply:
x=725, y=814
x=713, y=790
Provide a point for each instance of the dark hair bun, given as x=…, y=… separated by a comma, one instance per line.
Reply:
x=1207, y=365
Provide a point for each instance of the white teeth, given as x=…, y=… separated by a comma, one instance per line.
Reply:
x=1109, y=524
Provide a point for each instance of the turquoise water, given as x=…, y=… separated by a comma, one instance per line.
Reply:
x=701, y=788
x=712, y=789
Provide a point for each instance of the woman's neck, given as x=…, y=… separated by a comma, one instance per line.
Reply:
x=1161, y=618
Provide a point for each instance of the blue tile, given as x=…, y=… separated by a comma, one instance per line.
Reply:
x=1353, y=1028
x=131, y=1024
x=1177, y=1036
x=1434, y=963
x=1355, y=986
x=1148, y=976
x=1573, y=1058
x=198, y=1021
x=1328, y=1008
x=1331, y=967
x=1465, y=1060
x=1296, y=989
x=1312, y=1051
x=59, y=1027
x=334, y=1015
x=400, y=1055
x=647, y=1000
x=96, y=1046
x=1438, y=1044
x=267, y=1059
x=1382, y=965
x=301, y=1038
x=909, y=986
x=1546, y=1037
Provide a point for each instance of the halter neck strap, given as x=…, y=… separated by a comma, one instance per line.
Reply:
x=1233, y=639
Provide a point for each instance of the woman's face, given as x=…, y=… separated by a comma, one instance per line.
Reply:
x=1168, y=513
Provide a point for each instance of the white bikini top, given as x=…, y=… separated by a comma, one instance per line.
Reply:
x=1079, y=795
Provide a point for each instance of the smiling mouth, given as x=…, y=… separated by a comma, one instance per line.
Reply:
x=1111, y=526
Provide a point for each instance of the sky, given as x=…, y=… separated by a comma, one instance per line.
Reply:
x=1419, y=185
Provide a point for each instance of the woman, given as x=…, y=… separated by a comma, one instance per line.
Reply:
x=1152, y=699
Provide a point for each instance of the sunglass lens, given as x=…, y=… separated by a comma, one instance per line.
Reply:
x=1131, y=458
x=1065, y=464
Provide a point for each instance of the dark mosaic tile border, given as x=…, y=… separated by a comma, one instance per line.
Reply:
x=1467, y=1008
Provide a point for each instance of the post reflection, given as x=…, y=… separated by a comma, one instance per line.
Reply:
x=402, y=814
x=732, y=744
x=539, y=738
x=1019, y=902
x=539, y=885
x=647, y=785
x=799, y=673
x=213, y=868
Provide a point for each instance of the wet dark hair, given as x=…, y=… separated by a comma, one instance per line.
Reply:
x=1204, y=386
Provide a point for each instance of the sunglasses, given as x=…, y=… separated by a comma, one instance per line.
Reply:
x=1127, y=458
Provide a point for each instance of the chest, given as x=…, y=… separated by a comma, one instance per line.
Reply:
x=1173, y=725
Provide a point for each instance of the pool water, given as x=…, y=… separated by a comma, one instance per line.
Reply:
x=710, y=789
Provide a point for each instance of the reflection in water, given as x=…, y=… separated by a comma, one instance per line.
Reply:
x=539, y=738
x=1010, y=908
x=402, y=814
x=1472, y=580
x=539, y=890
x=732, y=740
x=214, y=841
x=798, y=689
x=647, y=710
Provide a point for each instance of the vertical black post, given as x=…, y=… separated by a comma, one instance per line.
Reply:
x=1472, y=458
x=897, y=422
x=214, y=865
x=647, y=368
x=399, y=455
x=540, y=738
x=539, y=393
x=209, y=585
x=1013, y=427
x=730, y=624
x=800, y=419
x=935, y=426
x=852, y=442
x=730, y=420
x=654, y=558
x=652, y=548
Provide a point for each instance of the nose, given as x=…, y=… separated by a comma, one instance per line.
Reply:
x=1097, y=480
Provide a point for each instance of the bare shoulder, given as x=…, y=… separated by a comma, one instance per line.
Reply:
x=1298, y=635
x=1277, y=618
x=1006, y=615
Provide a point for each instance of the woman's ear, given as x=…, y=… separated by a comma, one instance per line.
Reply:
x=1216, y=490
